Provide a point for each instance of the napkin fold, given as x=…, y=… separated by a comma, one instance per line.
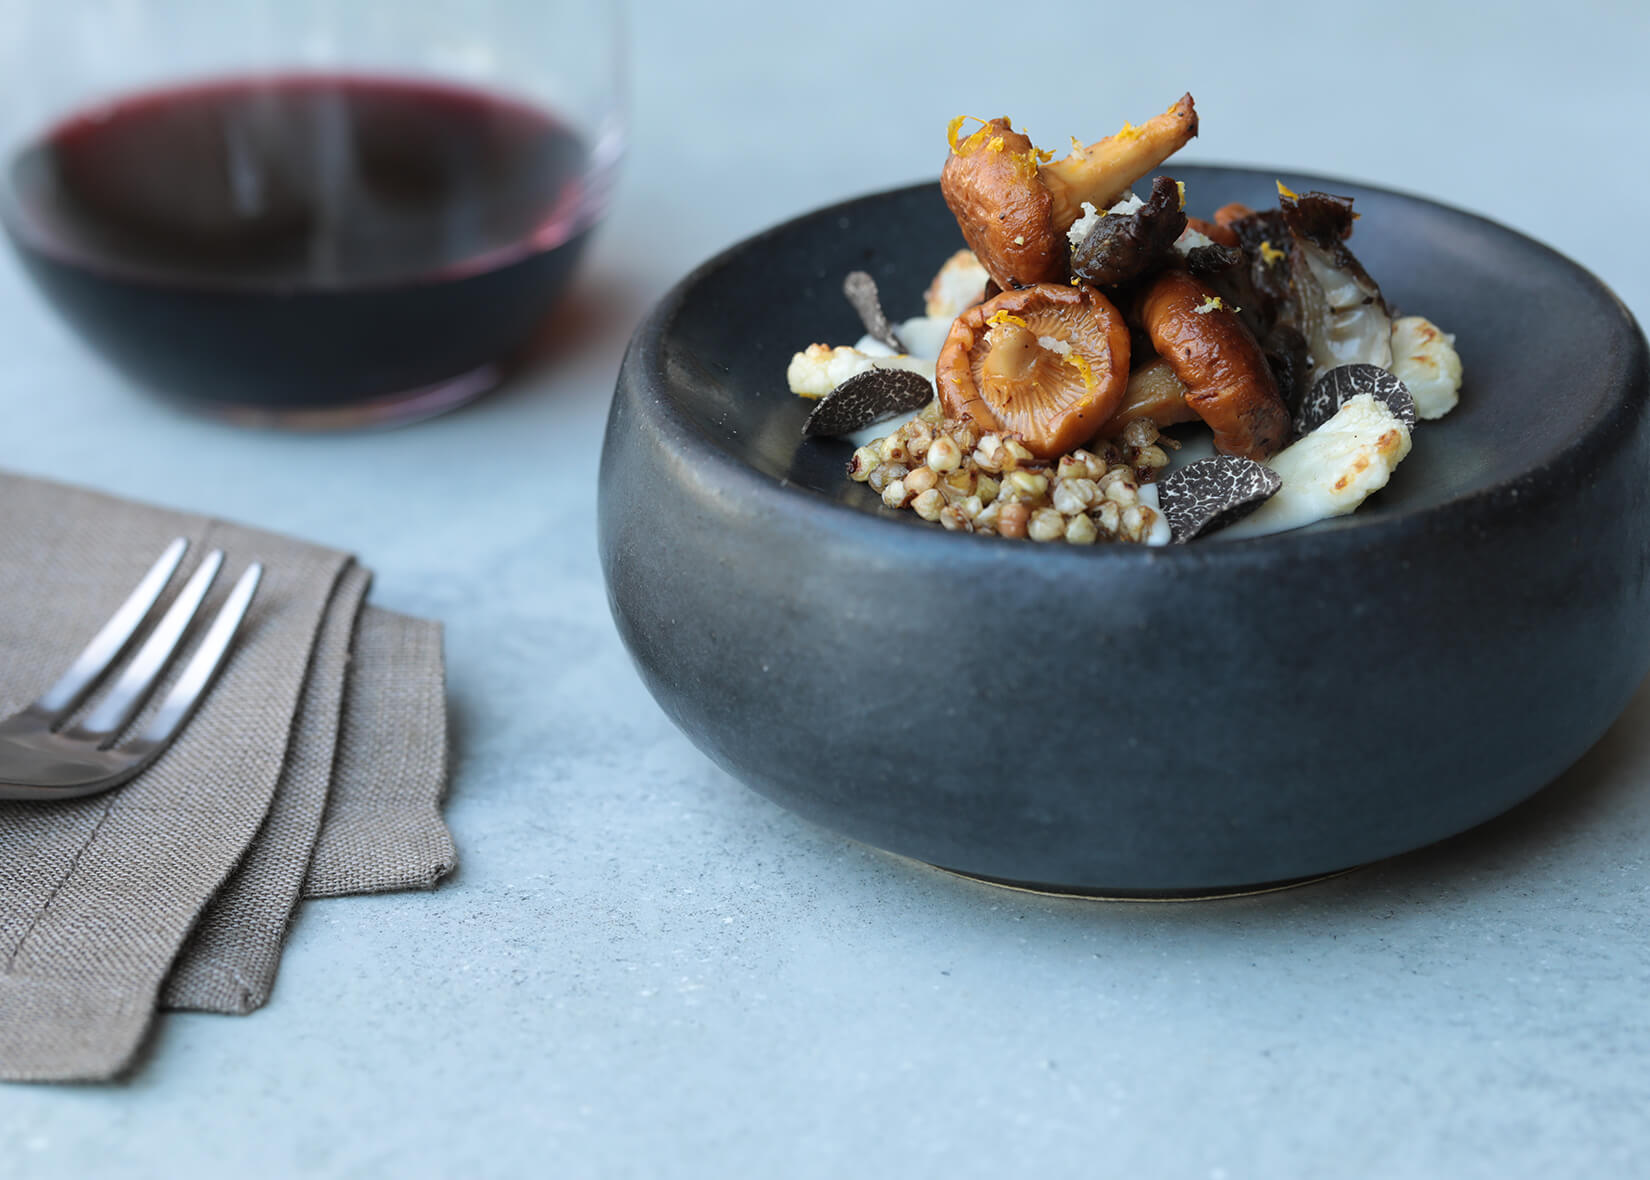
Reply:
x=314, y=766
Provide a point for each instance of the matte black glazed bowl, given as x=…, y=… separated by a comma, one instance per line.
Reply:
x=1118, y=719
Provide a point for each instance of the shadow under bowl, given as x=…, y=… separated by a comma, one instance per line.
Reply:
x=1119, y=720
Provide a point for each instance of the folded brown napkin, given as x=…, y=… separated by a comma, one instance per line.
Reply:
x=314, y=767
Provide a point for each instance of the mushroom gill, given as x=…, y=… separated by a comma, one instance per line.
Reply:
x=1048, y=363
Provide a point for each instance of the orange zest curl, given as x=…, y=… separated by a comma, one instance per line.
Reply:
x=962, y=148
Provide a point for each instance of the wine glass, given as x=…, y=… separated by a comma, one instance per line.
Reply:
x=308, y=212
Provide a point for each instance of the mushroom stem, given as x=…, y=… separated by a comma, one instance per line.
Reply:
x=1153, y=392
x=1012, y=354
x=1102, y=172
x=1228, y=381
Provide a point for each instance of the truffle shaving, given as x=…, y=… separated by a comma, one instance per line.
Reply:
x=1345, y=382
x=861, y=290
x=1213, y=493
x=866, y=399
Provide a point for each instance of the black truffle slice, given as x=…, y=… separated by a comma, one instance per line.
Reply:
x=1213, y=493
x=867, y=398
x=861, y=290
x=1345, y=382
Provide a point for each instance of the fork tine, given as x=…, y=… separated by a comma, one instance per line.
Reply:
x=115, y=710
x=89, y=666
x=203, y=665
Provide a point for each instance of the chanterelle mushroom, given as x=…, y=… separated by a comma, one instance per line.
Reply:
x=1102, y=172
x=1048, y=362
x=1228, y=381
x=1014, y=209
x=990, y=182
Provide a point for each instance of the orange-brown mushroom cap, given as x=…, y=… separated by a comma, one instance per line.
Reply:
x=990, y=183
x=1228, y=381
x=996, y=369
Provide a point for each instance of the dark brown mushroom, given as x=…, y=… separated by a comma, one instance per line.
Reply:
x=1228, y=382
x=1048, y=363
x=1123, y=246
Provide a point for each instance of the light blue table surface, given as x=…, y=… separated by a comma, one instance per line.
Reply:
x=643, y=969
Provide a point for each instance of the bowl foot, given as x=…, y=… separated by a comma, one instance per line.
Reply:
x=1211, y=894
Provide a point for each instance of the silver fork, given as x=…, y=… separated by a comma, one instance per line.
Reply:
x=44, y=758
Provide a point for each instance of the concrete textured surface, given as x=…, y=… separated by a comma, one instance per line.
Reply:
x=643, y=969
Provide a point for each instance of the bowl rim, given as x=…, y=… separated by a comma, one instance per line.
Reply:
x=1566, y=463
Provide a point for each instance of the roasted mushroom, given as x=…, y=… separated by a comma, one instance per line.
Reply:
x=1123, y=246
x=1339, y=307
x=1220, y=235
x=1153, y=392
x=990, y=183
x=1048, y=362
x=1228, y=382
x=1101, y=173
x=1014, y=210
x=1261, y=288
x=1230, y=212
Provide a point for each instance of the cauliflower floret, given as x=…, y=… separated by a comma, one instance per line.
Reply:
x=1332, y=470
x=958, y=286
x=1161, y=533
x=1080, y=228
x=1425, y=360
x=1091, y=217
x=1190, y=239
x=820, y=368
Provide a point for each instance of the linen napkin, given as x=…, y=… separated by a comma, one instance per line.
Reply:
x=306, y=770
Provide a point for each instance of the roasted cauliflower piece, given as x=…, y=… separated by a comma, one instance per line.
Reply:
x=1332, y=470
x=1425, y=360
x=819, y=368
x=958, y=286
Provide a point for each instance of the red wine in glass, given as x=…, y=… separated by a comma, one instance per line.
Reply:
x=306, y=246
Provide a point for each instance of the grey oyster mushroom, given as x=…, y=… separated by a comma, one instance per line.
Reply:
x=1338, y=307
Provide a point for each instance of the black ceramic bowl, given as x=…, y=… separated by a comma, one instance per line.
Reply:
x=1119, y=719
